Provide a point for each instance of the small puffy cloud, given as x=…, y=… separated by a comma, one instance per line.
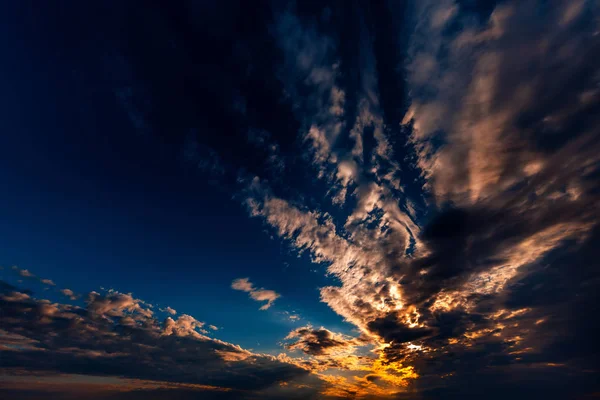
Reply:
x=318, y=342
x=115, y=304
x=168, y=310
x=15, y=296
x=264, y=295
x=69, y=293
x=244, y=285
x=23, y=272
x=184, y=325
x=48, y=282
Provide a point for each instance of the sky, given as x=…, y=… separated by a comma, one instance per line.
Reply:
x=300, y=200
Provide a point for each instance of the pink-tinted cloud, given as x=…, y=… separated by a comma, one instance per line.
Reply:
x=244, y=285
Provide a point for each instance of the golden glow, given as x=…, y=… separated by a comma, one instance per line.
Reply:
x=411, y=317
x=359, y=376
x=414, y=347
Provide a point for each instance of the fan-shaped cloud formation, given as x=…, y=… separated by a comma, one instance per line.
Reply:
x=442, y=166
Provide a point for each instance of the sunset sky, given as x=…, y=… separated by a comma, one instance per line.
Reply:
x=300, y=200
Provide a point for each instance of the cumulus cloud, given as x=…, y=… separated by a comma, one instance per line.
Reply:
x=319, y=342
x=168, y=310
x=69, y=293
x=115, y=304
x=23, y=272
x=245, y=285
x=185, y=325
x=113, y=335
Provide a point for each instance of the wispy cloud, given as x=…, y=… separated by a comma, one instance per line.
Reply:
x=245, y=285
x=168, y=310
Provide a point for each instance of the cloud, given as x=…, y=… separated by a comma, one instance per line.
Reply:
x=115, y=304
x=48, y=282
x=245, y=285
x=483, y=285
x=359, y=259
x=185, y=325
x=509, y=157
x=69, y=293
x=168, y=310
x=23, y=384
x=114, y=335
x=23, y=272
x=242, y=284
x=311, y=66
x=508, y=126
x=317, y=342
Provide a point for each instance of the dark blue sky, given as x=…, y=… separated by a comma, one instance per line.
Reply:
x=93, y=200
